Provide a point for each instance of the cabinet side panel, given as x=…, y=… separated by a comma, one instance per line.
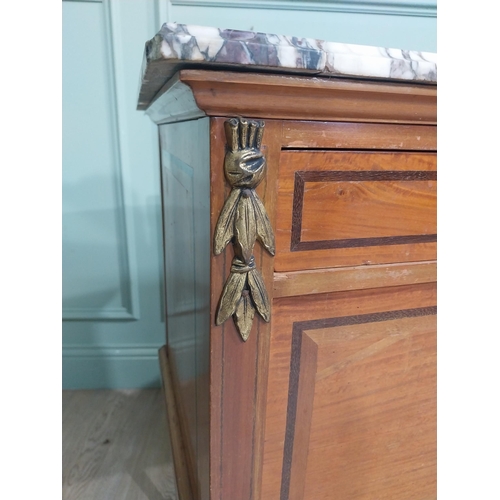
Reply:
x=186, y=204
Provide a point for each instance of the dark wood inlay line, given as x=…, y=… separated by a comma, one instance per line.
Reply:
x=363, y=242
x=298, y=202
x=365, y=149
x=367, y=175
x=301, y=177
x=291, y=413
x=293, y=385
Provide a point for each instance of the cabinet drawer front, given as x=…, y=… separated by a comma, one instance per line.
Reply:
x=338, y=208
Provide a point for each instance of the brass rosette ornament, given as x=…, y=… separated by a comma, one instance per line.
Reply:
x=243, y=221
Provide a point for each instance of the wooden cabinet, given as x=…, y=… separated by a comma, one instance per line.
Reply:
x=335, y=396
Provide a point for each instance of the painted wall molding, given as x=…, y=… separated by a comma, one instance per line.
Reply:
x=90, y=1
x=110, y=367
x=78, y=350
x=162, y=12
x=418, y=8
x=118, y=366
x=129, y=274
x=121, y=351
x=89, y=314
x=103, y=344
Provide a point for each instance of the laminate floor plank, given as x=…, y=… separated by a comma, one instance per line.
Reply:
x=116, y=446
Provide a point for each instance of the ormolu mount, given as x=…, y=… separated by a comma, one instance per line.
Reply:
x=243, y=220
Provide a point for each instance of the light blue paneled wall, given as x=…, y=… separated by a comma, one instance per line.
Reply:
x=403, y=24
x=99, y=266
x=112, y=237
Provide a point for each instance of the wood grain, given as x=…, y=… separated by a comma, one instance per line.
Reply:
x=338, y=208
x=186, y=418
x=375, y=206
x=309, y=282
x=186, y=225
x=268, y=192
x=174, y=103
x=357, y=206
x=219, y=269
x=345, y=135
x=299, y=419
x=116, y=445
x=184, y=470
x=238, y=369
x=372, y=427
x=223, y=93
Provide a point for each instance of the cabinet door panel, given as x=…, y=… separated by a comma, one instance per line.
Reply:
x=352, y=396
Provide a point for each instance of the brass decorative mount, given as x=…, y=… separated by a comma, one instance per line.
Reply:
x=243, y=221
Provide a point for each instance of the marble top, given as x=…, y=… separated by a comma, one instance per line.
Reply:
x=179, y=46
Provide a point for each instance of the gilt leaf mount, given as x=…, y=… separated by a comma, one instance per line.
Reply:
x=243, y=221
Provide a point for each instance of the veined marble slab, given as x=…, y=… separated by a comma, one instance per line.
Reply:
x=178, y=46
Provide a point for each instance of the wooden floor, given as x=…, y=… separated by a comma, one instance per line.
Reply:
x=116, y=446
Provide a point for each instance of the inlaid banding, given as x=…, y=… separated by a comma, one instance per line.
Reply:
x=301, y=177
